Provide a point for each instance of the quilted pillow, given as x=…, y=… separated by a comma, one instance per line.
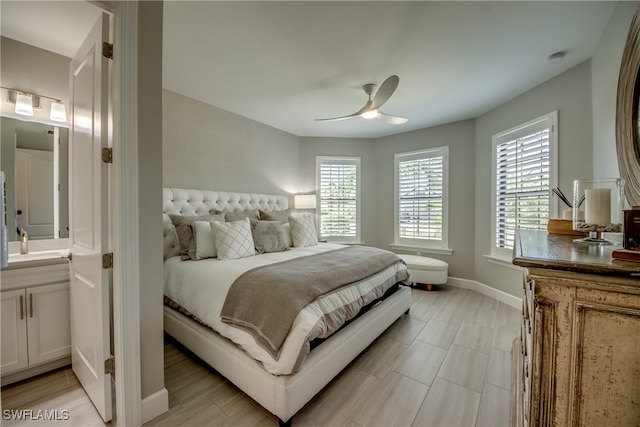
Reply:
x=185, y=234
x=303, y=231
x=204, y=240
x=268, y=236
x=233, y=239
x=239, y=216
x=282, y=216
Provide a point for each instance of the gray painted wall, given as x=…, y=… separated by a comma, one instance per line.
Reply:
x=210, y=148
x=605, y=68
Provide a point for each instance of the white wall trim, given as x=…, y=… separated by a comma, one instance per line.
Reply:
x=126, y=299
x=494, y=293
x=155, y=405
x=419, y=250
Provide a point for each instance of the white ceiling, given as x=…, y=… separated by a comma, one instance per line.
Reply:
x=286, y=63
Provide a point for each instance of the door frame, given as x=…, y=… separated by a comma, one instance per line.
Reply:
x=124, y=212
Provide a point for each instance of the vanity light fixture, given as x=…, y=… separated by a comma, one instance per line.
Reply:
x=58, y=112
x=26, y=102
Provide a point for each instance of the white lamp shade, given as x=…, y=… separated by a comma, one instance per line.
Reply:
x=305, y=201
x=24, y=105
x=58, y=112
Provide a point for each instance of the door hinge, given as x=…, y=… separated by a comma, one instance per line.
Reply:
x=107, y=155
x=109, y=366
x=107, y=261
x=107, y=50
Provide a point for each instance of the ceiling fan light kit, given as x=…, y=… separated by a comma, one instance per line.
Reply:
x=371, y=109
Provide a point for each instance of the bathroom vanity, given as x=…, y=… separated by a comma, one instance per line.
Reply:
x=36, y=327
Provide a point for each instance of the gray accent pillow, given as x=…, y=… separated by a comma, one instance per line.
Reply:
x=282, y=216
x=239, y=216
x=268, y=236
x=185, y=233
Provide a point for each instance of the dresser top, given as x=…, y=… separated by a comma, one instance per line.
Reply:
x=539, y=249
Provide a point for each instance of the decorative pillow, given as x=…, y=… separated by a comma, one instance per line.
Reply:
x=185, y=234
x=238, y=216
x=303, y=231
x=287, y=234
x=282, y=216
x=204, y=240
x=170, y=239
x=233, y=239
x=268, y=236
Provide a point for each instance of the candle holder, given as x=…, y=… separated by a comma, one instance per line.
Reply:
x=597, y=208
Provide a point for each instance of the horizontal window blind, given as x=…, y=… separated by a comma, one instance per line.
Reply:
x=421, y=198
x=338, y=186
x=522, y=184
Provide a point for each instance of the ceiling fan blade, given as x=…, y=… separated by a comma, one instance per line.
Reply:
x=335, y=119
x=394, y=120
x=386, y=90
x=364, y=109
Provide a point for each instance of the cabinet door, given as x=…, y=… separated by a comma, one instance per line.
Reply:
x=14, y=331
x=48, y=322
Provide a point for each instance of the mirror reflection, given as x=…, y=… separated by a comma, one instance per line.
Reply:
x=34, y=159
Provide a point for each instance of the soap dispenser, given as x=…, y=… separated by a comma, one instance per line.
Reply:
x=24, y=242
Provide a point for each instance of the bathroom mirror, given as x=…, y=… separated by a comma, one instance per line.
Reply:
x=34, y=158
x=627, y=123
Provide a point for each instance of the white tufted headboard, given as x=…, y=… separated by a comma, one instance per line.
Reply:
x=184, y=201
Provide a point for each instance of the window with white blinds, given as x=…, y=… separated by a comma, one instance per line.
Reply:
x=339, y=198
x=523, y=174
x=422, y=198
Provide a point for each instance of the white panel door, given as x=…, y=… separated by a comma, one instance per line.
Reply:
x=34, y=192
x=89, y=220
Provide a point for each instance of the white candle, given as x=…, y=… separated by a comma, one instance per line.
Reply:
x=597, y=206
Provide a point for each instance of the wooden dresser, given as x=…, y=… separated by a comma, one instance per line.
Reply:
x=579, y=350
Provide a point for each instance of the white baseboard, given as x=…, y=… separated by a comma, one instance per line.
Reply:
x=494, y=293
x=155, y=405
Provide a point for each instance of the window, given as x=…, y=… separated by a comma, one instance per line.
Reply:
x=338, y=183
x=422, y=198
x=523, y=175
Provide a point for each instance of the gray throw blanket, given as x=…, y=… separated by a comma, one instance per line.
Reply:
x=265, y=301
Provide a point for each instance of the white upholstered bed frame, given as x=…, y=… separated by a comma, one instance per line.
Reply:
x=286, y=394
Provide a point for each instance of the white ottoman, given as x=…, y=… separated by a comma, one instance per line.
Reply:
x=427, y=271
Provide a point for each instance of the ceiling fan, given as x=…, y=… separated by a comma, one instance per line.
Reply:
x=371, y=109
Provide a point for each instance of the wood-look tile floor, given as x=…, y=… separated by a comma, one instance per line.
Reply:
x=447, y=363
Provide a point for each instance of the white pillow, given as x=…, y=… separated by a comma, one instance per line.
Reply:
x=303, y=230
x=233, y=239
x=205, y=242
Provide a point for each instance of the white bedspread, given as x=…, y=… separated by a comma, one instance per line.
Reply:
x=201, y=287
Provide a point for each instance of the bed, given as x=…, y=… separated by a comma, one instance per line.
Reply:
x=278, y=366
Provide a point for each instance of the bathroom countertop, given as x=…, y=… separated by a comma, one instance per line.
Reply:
x=37, y=259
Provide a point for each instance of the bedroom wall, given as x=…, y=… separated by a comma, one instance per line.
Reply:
x=605, y=68
x=210, y=148
x=460, y=137
x=570, y=95
x=348, y=147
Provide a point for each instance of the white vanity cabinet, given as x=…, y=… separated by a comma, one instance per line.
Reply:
x=36, y=326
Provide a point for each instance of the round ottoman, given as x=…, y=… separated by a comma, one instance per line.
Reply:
x=426, y=271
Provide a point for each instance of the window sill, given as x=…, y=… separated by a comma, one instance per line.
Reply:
x=422, y=250
x=501, y=261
